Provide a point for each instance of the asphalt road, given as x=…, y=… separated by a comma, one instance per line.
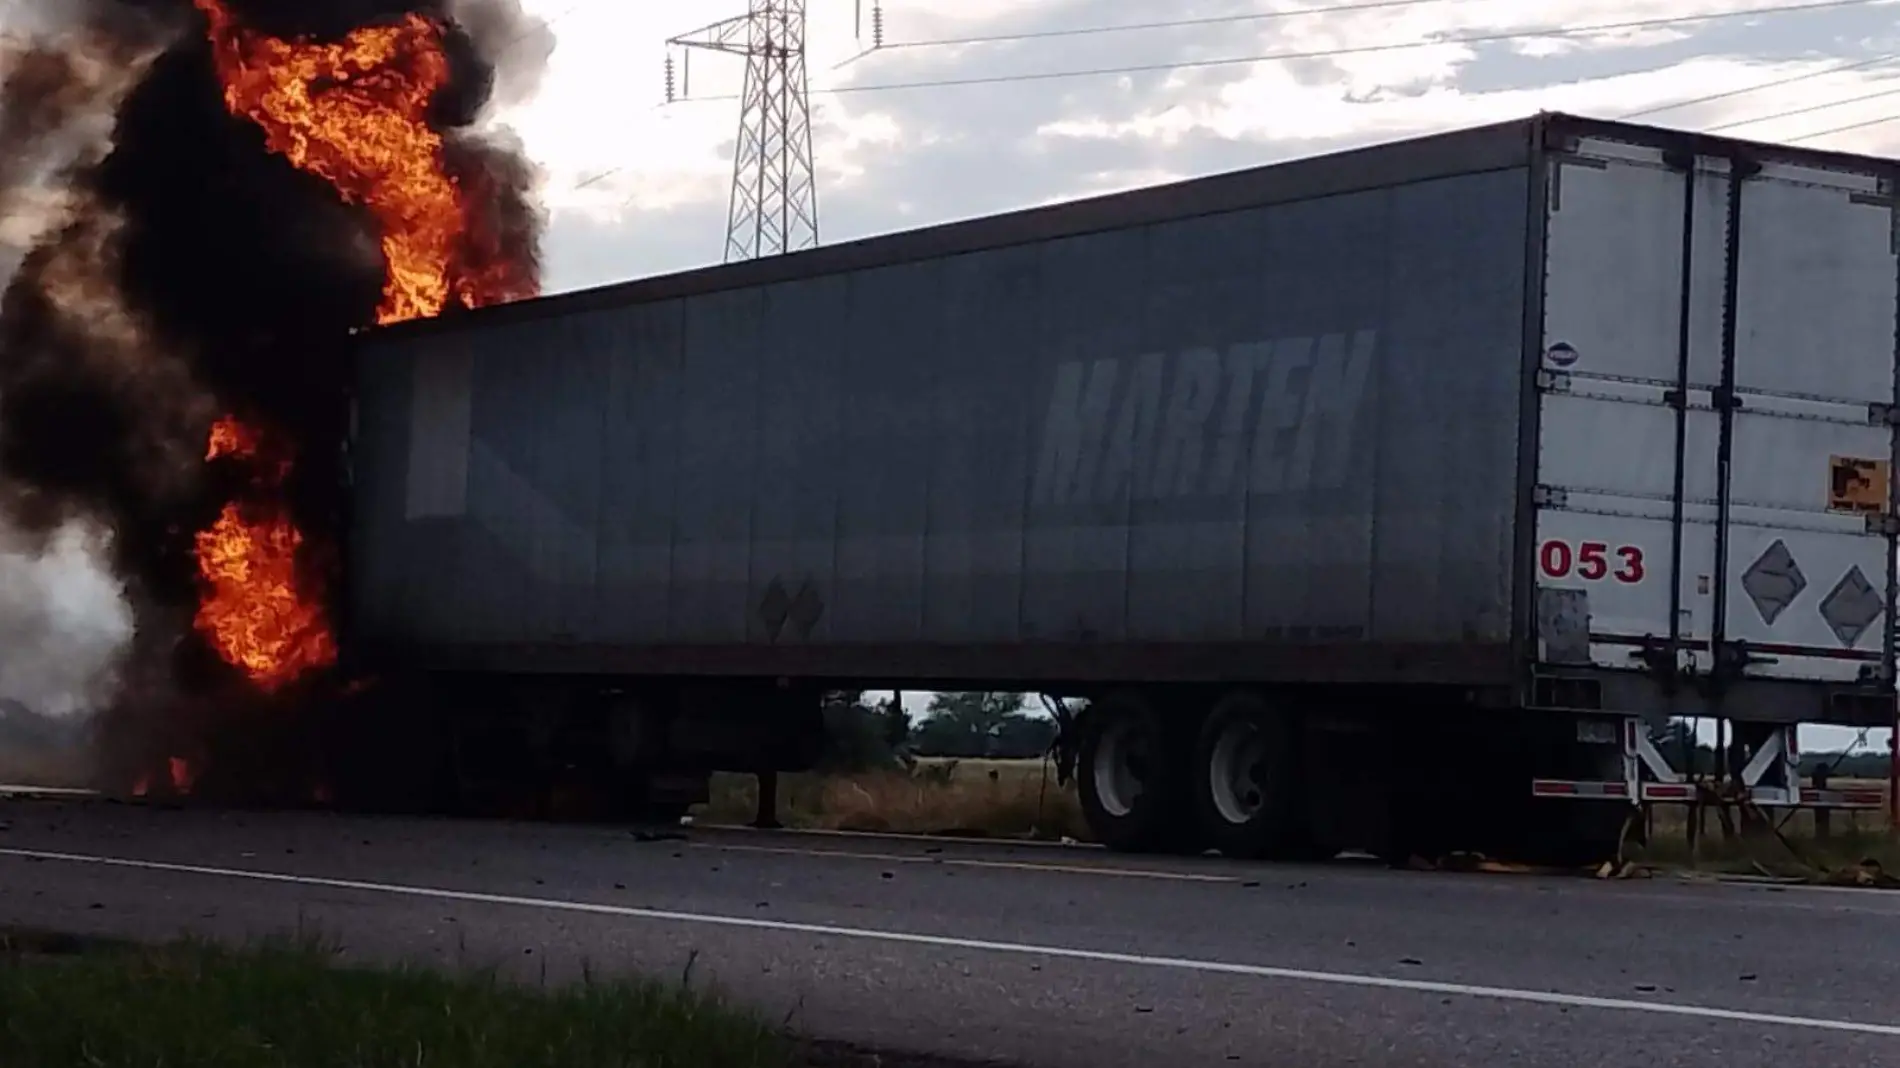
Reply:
x=1044, y=957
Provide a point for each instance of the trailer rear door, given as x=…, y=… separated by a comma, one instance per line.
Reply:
x=1716, y=462
x=1810, y=560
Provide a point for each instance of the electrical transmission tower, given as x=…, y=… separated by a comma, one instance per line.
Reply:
x=774, y=206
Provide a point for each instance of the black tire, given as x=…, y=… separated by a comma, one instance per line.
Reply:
x=666, y=815
x=1570, y=834
x=1131, y=776
x=1247, y=788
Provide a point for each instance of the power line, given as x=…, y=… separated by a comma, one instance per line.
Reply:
x=1862, y=125
x=1792, y=112
x=1354, y=50
x=1166, y=24
x=1494, y=37
x=1837, y=68
x=1332, y=53
x=1357, y=50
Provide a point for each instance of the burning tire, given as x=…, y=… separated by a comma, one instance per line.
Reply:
x=1131, y=775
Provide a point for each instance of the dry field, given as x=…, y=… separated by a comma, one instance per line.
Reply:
x=1020, y=799
x=978, y=798
x=1790, y=844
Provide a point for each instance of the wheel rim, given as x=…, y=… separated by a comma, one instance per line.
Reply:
x=1236, y=773
x=1118, y=768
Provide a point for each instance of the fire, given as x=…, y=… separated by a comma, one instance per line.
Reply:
x=355, y=113
x=179, y=772
x=256, y=617
x=230, y=438
x=255, y=614
x=182, y=773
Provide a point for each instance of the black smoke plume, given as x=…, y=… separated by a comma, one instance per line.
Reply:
x=179, y=271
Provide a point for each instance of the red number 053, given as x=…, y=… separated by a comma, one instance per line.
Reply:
x=1591, y=561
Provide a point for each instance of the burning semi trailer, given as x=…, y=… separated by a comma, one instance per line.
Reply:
x=1282, y=472
x=260, y=179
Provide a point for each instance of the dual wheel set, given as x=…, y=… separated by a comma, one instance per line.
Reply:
x=1235, y=783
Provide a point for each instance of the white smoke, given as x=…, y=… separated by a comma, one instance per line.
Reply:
x=65, y=624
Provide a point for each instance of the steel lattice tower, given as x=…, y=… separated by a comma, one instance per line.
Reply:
x=774, y=207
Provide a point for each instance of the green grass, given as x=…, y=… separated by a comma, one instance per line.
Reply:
x=66, y=1003
x=1861, y=849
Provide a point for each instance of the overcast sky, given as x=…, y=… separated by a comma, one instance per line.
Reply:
x=898, y=158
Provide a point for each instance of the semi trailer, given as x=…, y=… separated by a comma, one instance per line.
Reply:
x=1387, y=499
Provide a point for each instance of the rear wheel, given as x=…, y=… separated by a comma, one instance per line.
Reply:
x=1130, y=775
x=1247, y=788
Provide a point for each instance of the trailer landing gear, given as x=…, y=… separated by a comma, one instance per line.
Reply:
x=1769, y=779
x=766, y=818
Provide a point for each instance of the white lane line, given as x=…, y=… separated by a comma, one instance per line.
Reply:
x=1002, y=842
x=1186, y=964
x=19, y=790
x=966, y=862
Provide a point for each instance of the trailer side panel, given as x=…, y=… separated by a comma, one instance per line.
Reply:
x=1292, y=426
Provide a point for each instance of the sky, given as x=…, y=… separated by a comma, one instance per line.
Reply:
x=638, y=187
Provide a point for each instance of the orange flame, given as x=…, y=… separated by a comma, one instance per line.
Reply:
x=183, y=775
x=231, y=438
x=355, y=113
x=256, y=616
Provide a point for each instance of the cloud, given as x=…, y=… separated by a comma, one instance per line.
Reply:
x=637, y=187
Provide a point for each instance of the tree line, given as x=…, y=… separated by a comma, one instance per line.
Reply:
x=996, y=725
x=1675, y=737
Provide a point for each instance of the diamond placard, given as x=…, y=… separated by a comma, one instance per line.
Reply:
x=1852, y=606
x=1773, y=581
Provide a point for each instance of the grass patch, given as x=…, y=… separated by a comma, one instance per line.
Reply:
x=1860, y=846
x=76, y=1003
x=1010, y=799
x=980, y=798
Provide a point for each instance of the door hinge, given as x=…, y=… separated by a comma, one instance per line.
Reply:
x=1884, y=198
x=1550, y=497
x=1881, y=413
x=1549, y=381
x=1888, y=525
x=1679, y=160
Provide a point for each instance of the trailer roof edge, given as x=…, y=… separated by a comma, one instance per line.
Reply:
x=1498, y=146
